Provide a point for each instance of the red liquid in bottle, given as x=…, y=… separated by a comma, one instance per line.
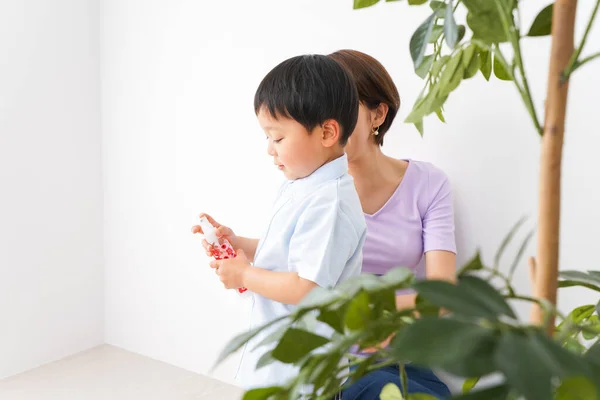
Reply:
x=223, y=252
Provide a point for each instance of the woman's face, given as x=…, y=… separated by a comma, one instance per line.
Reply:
x=361, y=139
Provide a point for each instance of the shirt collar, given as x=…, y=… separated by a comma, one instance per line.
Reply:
x=327, y=172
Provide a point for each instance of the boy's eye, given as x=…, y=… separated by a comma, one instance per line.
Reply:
x=274, y=140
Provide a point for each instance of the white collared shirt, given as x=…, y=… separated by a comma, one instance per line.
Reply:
x=317, y=229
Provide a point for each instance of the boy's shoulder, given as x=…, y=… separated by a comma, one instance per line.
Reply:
x=336, y=195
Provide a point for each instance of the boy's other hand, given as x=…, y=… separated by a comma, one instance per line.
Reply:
x=231, y=272
x=220, y=230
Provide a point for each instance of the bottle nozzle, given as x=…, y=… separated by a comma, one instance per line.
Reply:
x=209, y=231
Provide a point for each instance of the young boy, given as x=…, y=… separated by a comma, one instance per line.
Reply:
x=308, y=107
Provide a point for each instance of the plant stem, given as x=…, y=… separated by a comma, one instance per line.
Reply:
x=549, y=308
x=514, y=36
x=573, y=63
x=527, y=98
x=404, y=380
x=498, y=274
x=585, y=60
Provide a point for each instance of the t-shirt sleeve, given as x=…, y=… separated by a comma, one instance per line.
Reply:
x=323, y=241
x=438, y=221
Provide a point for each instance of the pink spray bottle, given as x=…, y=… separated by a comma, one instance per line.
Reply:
x=221, y=248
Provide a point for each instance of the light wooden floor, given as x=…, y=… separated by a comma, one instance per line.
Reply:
x=109, y=373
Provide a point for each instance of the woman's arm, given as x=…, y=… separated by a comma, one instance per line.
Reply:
x=439, y=265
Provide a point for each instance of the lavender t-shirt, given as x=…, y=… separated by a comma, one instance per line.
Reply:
x=416, y=219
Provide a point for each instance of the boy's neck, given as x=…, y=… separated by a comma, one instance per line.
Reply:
x=334, y=155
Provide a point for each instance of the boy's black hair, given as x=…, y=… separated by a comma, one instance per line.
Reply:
x=310, y=89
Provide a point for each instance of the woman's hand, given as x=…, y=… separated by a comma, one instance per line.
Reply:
x=221, y=231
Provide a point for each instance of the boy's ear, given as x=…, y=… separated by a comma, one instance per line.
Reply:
x=331, y=132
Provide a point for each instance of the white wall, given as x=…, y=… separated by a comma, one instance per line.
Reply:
x=180, y=137
x=51, y=282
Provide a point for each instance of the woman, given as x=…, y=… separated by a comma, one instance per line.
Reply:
x=408, y=208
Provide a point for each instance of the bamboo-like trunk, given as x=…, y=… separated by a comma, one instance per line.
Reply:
x=546, y=275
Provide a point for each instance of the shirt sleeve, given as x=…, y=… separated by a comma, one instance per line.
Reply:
x=323, y=241
x=438, y=221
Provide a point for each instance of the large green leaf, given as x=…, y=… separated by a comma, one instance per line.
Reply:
x=532, y=377
x=264, y=360
x=238, y=341
x=539, y=359
x=447, y=295
x=475, y=264
x=480, y=363
x=319, y=297
x=297, y=343
x=426, y=308
x=440, y=115
x=542, y=24
x=485, y=21
x=572, y=344
x=361, y=370
x=428, y=104
x=420, y=39
x=261, y=393
x=593, y=353
x=438, y=65
x=470, y=61
x=579, y=278
x=273, y=337
x=576, y=388
x=358, y=314
x=397, y=278
x=500, y=71
x=350, y=287
x=486, y=294
x=320, y=373
x=451, y=75
x=417, y=2
x=423, y=69
x=383, y=301
x=334, y=317
x=461, y=32
x=593, y=330
x=472, y=297
x=486, y=64
x=492, y=393
x=562, y=362
x=440, y=342
x=469, y=384
x=578, y=315
x=436, y=33
x=450, y=27
x=364, y=3
x=439, y=6
x=391, y=392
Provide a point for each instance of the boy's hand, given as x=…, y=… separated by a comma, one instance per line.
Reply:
x=220, y=230
x=231, y=271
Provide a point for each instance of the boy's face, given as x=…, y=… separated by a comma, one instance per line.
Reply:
x=295, y=151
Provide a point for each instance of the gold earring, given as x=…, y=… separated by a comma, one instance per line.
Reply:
x=375, y=131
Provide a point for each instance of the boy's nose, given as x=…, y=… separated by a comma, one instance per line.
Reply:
x=271, y=149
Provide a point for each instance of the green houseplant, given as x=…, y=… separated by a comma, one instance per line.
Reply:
x=481, y=333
